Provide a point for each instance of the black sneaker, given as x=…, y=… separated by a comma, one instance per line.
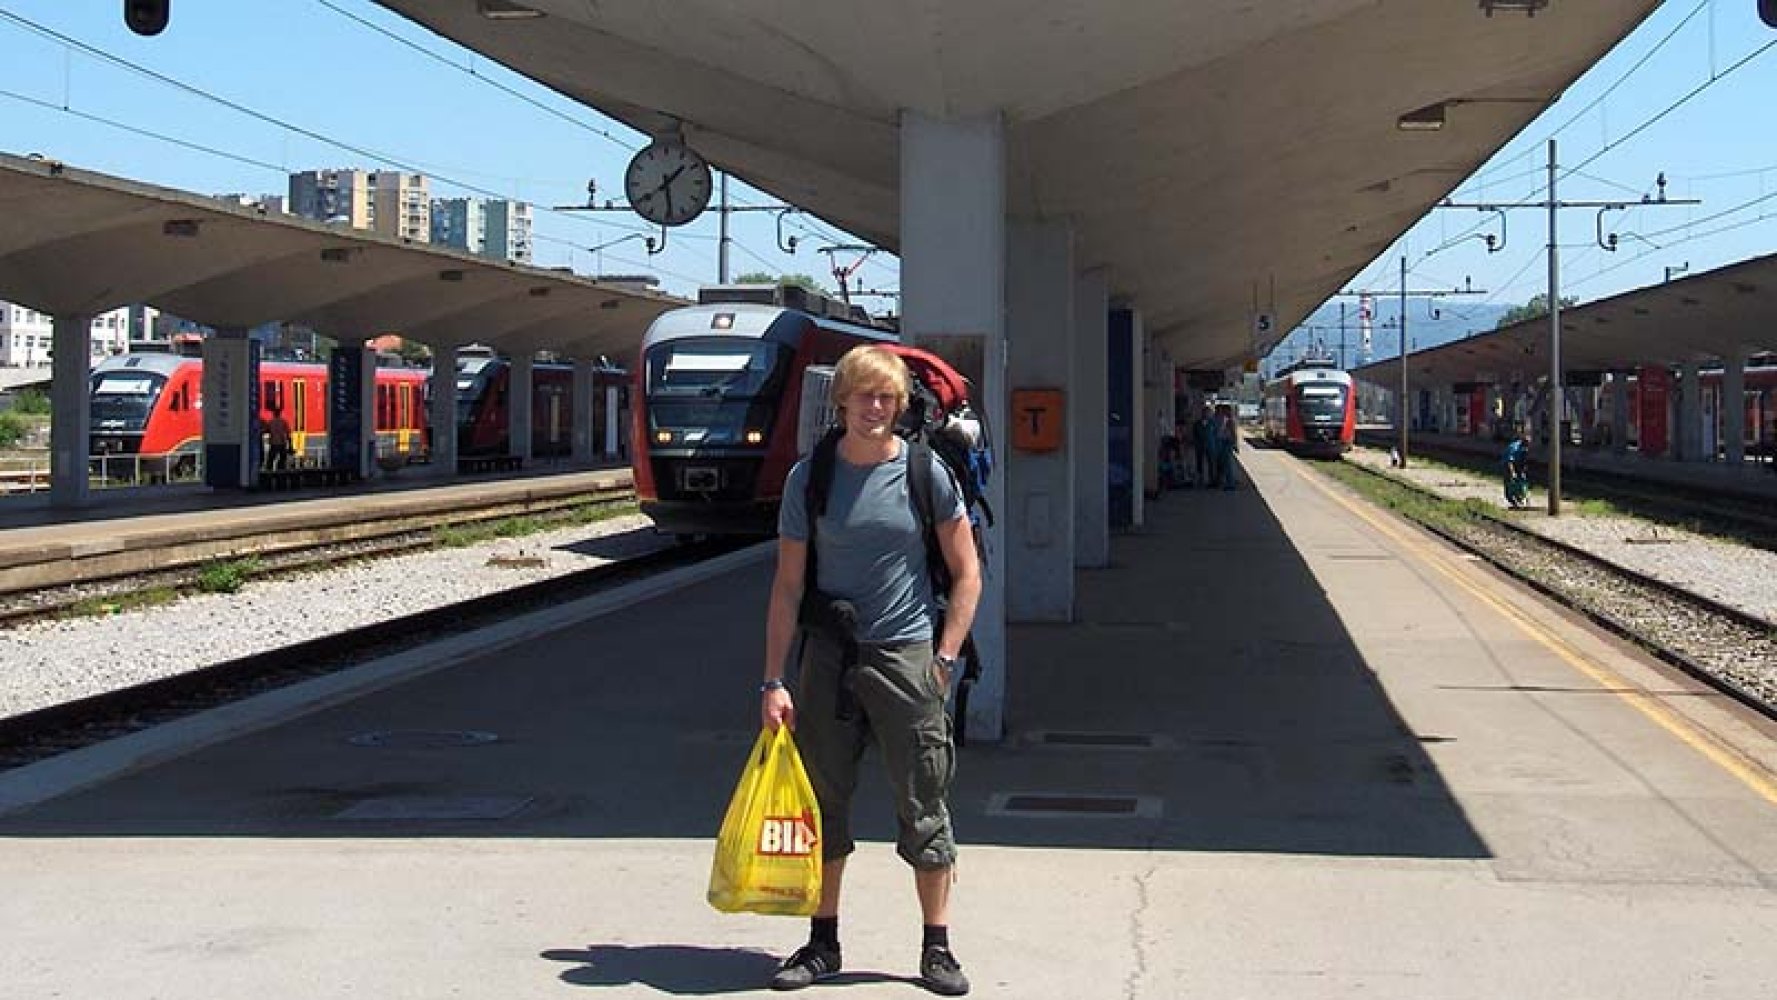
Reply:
x=940, y=972
x=812, y=963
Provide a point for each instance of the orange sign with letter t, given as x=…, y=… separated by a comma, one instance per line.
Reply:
x=1037, y=419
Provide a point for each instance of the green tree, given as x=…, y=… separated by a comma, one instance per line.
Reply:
x=415, y=353
x=1537, y=306
x=800, y=280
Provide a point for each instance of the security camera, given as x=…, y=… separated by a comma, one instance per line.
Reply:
x=146, y=17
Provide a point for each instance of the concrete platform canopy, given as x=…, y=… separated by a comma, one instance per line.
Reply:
x=74, y=242
x=1718, y=315
x=1220, y=160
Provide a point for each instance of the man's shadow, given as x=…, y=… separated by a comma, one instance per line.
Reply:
x=683, y=970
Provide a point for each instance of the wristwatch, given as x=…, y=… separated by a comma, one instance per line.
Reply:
x=774, y=684
x=947, y=662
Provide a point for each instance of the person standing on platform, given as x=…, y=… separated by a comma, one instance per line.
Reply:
x=279, y=452
x=1227, y=441
x=1203, y=438
x=1517, y=471
x=876, y=659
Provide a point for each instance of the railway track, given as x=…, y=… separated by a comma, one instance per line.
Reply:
x=280, y=551
x=1728, y=649
x=56, y=729
x=1744, y=519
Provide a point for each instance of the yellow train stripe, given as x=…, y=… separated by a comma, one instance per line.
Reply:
x=1748, y=771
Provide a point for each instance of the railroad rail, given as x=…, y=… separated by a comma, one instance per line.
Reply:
x=1748, y=519
x=55, y=729
x=1724, y=647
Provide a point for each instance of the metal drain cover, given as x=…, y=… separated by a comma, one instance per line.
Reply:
x=423, y=739
x=436, y=807
x=1098, y=741
x=1072, y=806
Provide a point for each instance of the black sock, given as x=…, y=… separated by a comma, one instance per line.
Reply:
x=824, y=930
x=937, y=935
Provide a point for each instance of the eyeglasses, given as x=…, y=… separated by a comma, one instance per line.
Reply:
x=865, y=399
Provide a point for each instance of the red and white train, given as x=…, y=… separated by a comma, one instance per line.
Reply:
x=1311, y=408
x=482, y=422
x=717, y=403
x=150, y=405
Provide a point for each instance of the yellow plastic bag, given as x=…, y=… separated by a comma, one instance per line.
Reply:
x=768, y=857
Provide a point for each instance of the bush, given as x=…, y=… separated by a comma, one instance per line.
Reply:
x=226, y=577
x=12, y=429
x=31, y=401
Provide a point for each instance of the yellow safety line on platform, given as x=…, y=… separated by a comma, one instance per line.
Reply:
x=1750, y=772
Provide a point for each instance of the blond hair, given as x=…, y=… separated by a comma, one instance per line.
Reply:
x=867, y=367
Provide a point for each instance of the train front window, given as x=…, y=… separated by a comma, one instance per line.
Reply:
x=1323, y=401
x=712, y=391
x=122, y=402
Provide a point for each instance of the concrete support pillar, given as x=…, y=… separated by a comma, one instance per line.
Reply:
x=1087, y=410
x=1141, y=409
x=1039, y=485
x=584, y=407
x=1619, y=412
x=70, y=428
x=1690, y=414
x=232, y=450
x=519, y=399
x=443, y=418
x=953, y=286
x=1733, y=408
x=352, y=412
x=614, y=421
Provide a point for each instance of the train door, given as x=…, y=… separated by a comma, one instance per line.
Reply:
x=404, y=418
x=297, y=413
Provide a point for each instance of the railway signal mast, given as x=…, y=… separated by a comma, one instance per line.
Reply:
x=1557, y=402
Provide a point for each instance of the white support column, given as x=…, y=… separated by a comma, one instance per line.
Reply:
x=1619, y=412
x=1089, y=412
x=518, y=407
x=583, y=409
x=443, y=418
x=230, y=417
x=1040, y=486
x=1690, y=414
x=953, y=285
x=613, y=422
x=1733, y=408
x=70, y=426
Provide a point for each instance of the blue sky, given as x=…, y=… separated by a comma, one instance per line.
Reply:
x=418, y=102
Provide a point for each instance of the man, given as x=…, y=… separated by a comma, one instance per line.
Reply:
x=1203, y=436
x=890, y=677
x=1517, y=474
x=280, y=451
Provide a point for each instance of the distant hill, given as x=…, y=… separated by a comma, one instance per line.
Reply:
x=1455, y=319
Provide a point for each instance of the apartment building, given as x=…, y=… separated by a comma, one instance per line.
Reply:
x=332, y=196
x=401, y=205
x=459, y=223
x=508, y=231
x=27, y=336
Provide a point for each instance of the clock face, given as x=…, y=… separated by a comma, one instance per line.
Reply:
x=667, y=183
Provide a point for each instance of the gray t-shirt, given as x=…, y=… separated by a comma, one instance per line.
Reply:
x=869, y=550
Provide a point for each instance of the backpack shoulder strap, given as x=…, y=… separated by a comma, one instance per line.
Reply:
x=815, y=491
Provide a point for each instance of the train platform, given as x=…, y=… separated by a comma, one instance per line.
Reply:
x=1289, y=748
x=159, y=527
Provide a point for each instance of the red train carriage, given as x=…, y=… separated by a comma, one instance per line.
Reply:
x=482, y=422
x=1310, y=408
x=151, y=406
x=717, y=399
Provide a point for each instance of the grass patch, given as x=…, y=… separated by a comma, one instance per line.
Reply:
x=463, y=535
x=1407, y=501
x=95, y=607
x=226, y=576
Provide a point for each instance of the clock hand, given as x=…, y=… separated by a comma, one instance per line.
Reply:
x=668, y=180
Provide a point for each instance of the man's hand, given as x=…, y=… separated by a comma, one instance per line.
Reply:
x=777, y=709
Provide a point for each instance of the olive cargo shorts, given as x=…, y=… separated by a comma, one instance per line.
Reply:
x=897, y=699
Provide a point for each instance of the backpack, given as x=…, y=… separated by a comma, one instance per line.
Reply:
x=941, y=420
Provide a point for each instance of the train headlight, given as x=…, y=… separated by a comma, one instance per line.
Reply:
x=755, y=437
x=663, y=437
